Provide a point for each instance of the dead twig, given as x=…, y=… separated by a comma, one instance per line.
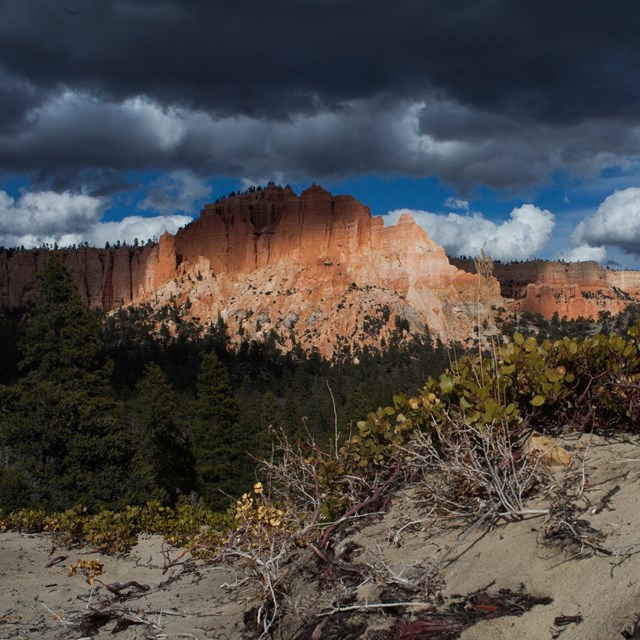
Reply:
x=373, y=605
x=604, y=502
x=168, y=562
x=55, y=561
x=372, y=499
x=563, y=621
x=117, y=587
x=413, y=523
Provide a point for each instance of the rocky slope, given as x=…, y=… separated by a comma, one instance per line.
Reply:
x=581, y=289
x=319, y=271
x=316, y=269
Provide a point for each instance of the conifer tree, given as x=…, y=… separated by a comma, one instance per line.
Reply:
x=62, y=335
x=162, y=465
x=270, y=415
x=218, y=447
x=60, y=428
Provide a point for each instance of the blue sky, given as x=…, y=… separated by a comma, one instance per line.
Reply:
x=508, y=126
x=569, y=199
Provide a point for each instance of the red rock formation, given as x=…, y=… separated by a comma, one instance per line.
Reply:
x=105, y=278
x=581, y=289
x=319, y=269
x=316, y=268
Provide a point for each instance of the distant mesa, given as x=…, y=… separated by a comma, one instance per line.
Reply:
x=572, y=290
x=319, y=271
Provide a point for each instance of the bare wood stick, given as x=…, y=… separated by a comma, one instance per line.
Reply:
x=117, y=587
x=396, y=537
x=358, y=507
x=55, y=560
x=171, y=563
x=373, y=605
x=335, y=416
x=604, y=502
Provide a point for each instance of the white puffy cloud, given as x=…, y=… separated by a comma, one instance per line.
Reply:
x=44, y=216
x=521, y=237
x=584, y=253
x=47, y=217
x=131, y=227
x=615, y=223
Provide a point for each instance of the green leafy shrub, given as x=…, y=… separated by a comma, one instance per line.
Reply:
x=188, y=524
x=587, y=384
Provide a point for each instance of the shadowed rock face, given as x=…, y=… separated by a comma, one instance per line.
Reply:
x=105, y=278
x=320, y=271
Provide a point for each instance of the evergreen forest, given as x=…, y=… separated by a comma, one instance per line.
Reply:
x=107, y=411
x=116, y=411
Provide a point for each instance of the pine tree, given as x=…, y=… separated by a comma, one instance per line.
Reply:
x=162, y=465
x=62, y=335
x=270, y=414
x=60, y=428
x=218, y=447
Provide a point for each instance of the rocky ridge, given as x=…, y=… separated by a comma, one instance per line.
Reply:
x=319, y=271
x=572, y=290
x=316, y=269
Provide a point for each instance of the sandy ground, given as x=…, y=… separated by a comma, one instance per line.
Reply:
x=188, y=601
x=580, y=564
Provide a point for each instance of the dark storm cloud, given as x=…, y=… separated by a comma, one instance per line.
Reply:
x=17, y=96
x=499, y=92
x=558, y=62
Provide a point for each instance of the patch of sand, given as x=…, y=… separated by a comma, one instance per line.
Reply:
x=188, y=601
x=589, y=576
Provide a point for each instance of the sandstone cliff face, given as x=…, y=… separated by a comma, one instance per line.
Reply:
x=316, y=269
x=105, y=278
x=319, y=270
x=581, y=289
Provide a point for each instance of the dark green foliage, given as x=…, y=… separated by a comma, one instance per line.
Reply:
x=270, y=413
x=11, y=330
x=60, y=428
x=162, y=466
x=533, y=324
x=254, y=421
x=62, y=335
x=219, y=447
x=64, y=446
